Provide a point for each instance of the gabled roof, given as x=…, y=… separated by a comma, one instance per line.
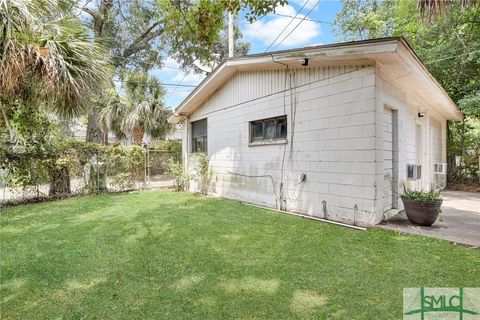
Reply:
x=394, y=54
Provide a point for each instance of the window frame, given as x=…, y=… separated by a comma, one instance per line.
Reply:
x=193, y=137
x=276, y=128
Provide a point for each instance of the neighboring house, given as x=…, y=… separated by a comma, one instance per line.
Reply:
x=332, y=131
x=79, y=132
x=176, y=133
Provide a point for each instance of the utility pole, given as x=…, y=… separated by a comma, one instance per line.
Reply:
x=231, y=48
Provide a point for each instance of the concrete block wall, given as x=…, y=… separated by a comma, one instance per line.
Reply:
x=407, y=106
x=334, y=141
x=439, y=180
x=388, y=95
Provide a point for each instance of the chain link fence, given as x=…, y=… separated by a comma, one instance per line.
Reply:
x=156, y=167
x=26, y=178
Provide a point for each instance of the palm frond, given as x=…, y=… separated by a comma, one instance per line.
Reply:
x=430, y=9
x=39, y=39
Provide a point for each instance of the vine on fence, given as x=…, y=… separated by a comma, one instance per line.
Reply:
x=56, y=165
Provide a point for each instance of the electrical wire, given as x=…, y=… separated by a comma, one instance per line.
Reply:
x=179, y=84
x=263, y=35
x=161, y=83
x=287, y=72
x=306, y=19
x=283, y=30
x=281, y=91
x=452, y=57
x=257, y=176
x=303, y=19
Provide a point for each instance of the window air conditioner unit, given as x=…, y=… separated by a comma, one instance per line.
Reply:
x=440, y=168
x=414, y=172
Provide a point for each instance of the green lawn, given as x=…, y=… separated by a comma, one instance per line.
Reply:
x=165, y=255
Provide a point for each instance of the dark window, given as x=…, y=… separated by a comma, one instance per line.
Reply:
x=268, y=129
x=199, y=136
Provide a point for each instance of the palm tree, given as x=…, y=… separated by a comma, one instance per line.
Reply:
x=46, y=54
x=47, y=59
x=138, y=115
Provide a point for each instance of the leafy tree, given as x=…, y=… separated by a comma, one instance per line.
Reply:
x=448, y=43
x=140, y=33
x=48, y=62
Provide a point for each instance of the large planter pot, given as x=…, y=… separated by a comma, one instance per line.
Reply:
x=424, y=213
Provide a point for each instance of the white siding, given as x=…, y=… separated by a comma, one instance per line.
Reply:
x=439, y=180
x=333, y=141
x=337, y=117
x=387, y=158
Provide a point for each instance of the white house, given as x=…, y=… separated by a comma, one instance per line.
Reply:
x=332, y=131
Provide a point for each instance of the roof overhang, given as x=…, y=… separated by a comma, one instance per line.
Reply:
x=393, y=54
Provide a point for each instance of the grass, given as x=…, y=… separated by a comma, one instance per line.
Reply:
x=164, y=255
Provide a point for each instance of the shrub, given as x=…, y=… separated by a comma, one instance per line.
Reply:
x=203, y=173
x=61, y=160
x=431, y=195
x=181, y=177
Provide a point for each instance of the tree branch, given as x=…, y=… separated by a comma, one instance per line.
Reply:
x=89, y=11
x=141, y=42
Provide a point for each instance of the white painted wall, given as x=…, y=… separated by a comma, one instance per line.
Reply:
x=431, y=149
x=336, y=142
x=438, y=152
x=332, y=143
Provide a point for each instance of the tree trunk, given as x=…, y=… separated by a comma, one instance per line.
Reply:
x=105, y=137
x=94, y=132
x=59, y=182
x=138, y=135
x=7, y=123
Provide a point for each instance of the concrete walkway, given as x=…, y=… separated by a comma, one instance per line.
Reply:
x=458, y=222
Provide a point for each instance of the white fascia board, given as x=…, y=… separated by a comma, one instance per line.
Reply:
x=229, y=67
x=345, y=52
x=406, y=54
x=175, y=118
x=182, y=109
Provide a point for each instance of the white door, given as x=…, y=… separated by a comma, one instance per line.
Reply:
x=387, y=159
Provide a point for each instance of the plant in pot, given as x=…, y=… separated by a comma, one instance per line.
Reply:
x=422, y=207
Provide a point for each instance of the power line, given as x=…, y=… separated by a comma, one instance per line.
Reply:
x=179, y=84
x=303, y=19
x=161, y=83
x=281, y=91
x=293, y=18
x=260, y=33
x=452, y=57
x=307, y=19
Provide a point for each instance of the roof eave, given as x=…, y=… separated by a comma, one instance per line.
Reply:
x=228, y=67
x=409, y=55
